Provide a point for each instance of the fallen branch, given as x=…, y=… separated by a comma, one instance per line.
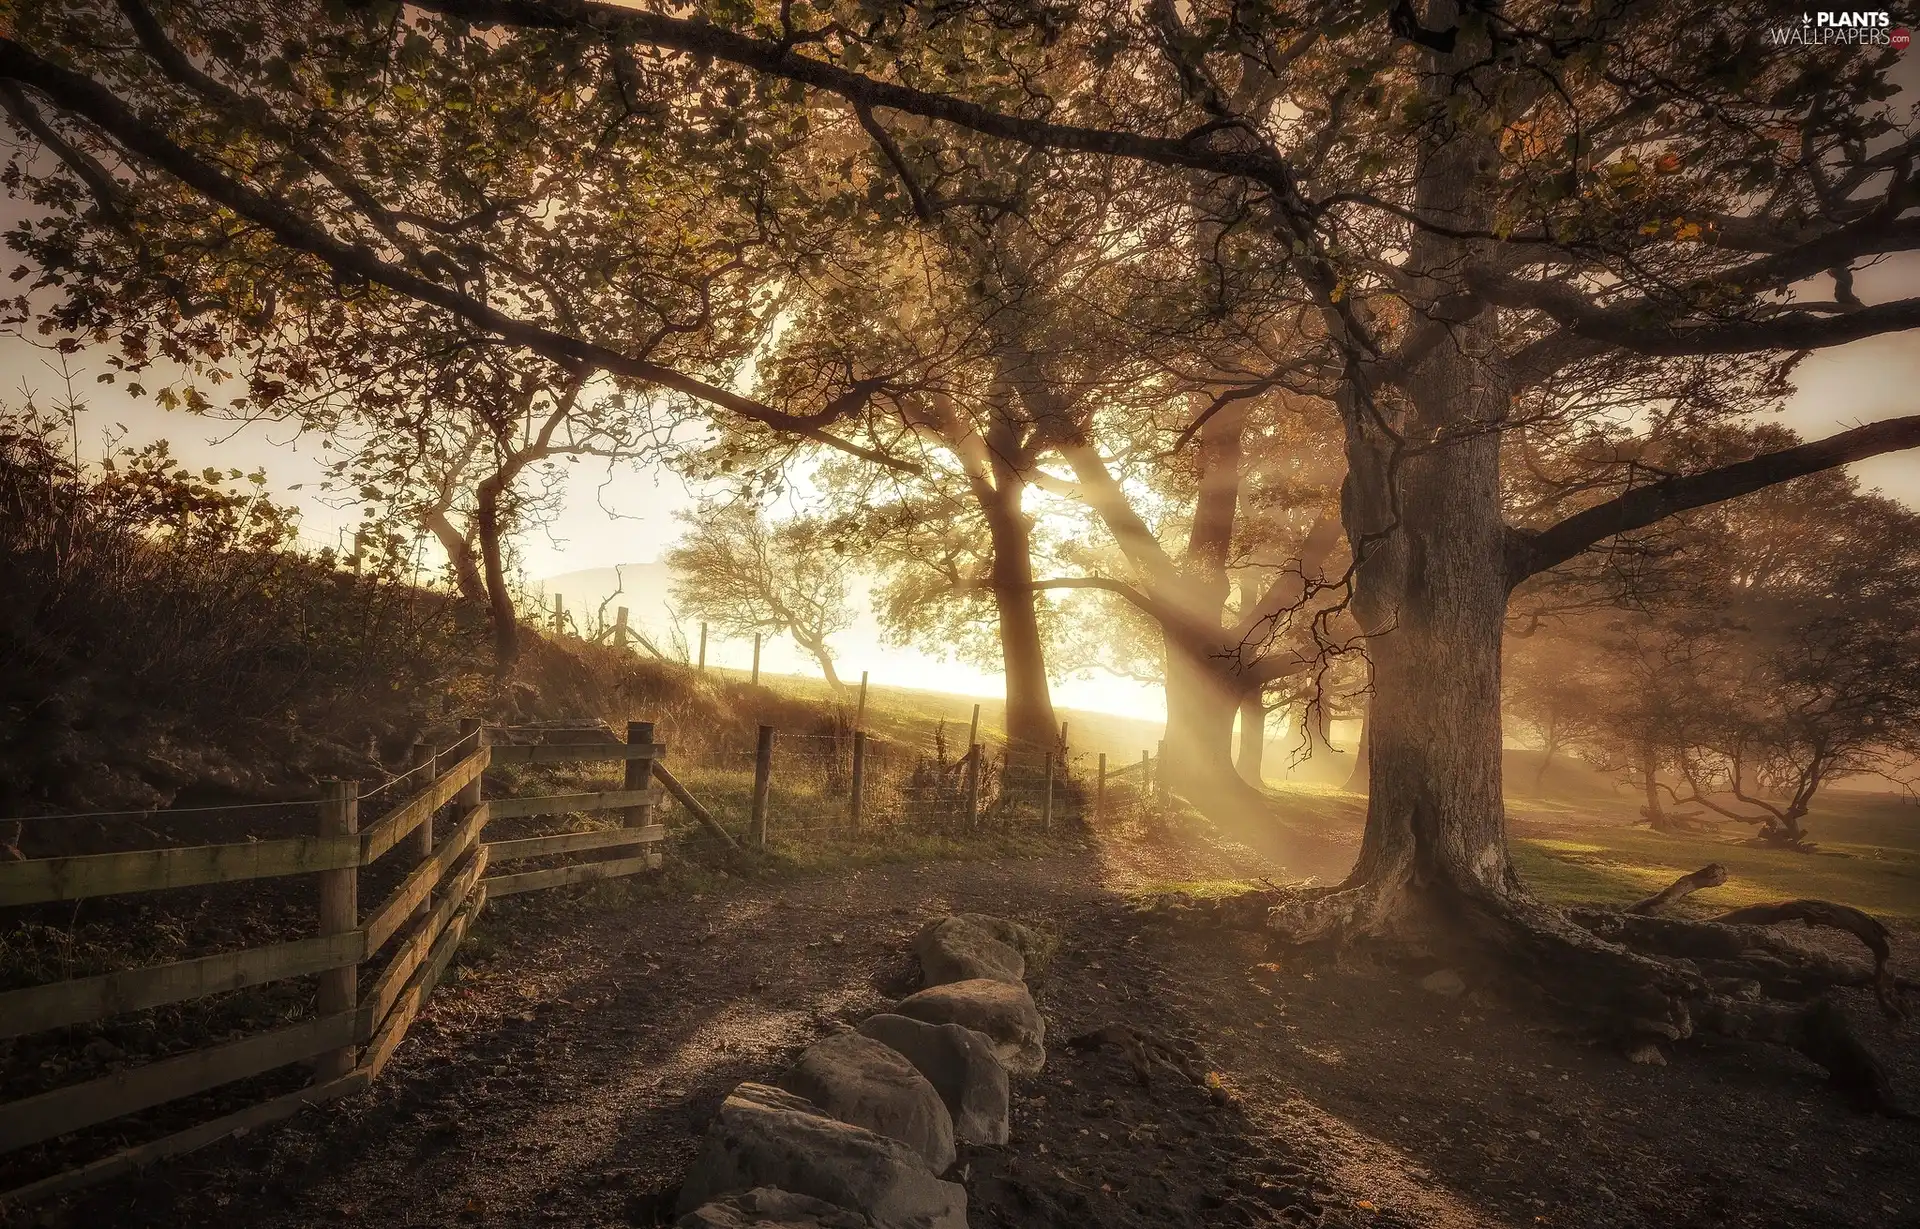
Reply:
x=1712, y=875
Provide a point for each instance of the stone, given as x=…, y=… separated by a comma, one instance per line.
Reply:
x=1647, y=1054
x=1022, y=939
x=962, y=1067
x=953, y=949
x=1004, y=1012
x=1444, y=981
x=765, y=1136
x=869, y=1084
x=766, y=1207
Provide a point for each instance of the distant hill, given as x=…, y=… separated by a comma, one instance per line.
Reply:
x=643, y=588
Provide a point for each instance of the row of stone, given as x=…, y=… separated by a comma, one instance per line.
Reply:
x=856, y=1134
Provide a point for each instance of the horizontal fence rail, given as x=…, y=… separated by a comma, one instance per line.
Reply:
x=42, y=880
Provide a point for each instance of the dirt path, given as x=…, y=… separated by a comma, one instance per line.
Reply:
x=566, y=1076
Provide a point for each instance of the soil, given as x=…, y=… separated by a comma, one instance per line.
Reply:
x=565, y=1074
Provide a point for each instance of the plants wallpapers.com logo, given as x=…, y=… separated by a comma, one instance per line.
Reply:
x=1870, y=28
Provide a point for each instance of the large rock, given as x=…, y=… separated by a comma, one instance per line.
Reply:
x=960, y=1064
x=953, y=949
x=767, y=1208
x=869, y=1084
x=1022, y=939
x=1005, y=1013
x=764, y=1136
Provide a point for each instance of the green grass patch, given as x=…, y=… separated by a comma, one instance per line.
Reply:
x=1201, y=889
x=1866, y=858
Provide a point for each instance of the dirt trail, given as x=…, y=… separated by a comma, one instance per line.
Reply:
x=566, y=1076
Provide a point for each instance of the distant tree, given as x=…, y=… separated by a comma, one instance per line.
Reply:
x=1758, y=650
x=1552, y=689
x=747, y=575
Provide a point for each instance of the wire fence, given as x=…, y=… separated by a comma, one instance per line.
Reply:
x=846, y=786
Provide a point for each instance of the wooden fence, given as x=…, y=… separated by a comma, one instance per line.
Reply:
x=411, y=936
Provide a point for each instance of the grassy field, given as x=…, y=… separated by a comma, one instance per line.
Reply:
x=1868, y=855
x=1586, y=844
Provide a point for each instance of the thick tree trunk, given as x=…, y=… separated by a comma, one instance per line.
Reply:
x=1251, y=761
x=1432, y=591
x=1435, y=814
x=1030, y=722
x=1363, y=754
x=461, y=555
x=505, y=620
x=1203, y=696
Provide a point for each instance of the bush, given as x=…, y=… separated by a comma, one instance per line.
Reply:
x=158, y=637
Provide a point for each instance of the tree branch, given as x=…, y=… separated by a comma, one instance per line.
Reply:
x=780, y=60
x=85, y=98
x=1157, y=611
x=1529, y=553
x=1623, y=326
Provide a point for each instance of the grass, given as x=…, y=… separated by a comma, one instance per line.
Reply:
x=1589, y=849
x=1869, y=857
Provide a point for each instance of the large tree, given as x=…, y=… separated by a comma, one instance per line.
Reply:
x=1750, y=654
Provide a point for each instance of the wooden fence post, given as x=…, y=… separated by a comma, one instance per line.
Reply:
x=469, y=795
x=973, y=727
x=1100, y=792
x=860, y=712
x=339, y=914
x=859, y=777
x=762, y=786
x=973, y=784
x=756, y=659
x=427, y=764
x=703, y=648
x=559, y=615
x=1160, y=772
x=1063, y=738
x=1046, y=803
x=1146, y=780
x=620, y=629
x=640, y=776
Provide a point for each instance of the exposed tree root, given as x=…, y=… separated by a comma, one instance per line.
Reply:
x=1712, y=875
x=1864, y=927
x=1246, y=911
x=1632, y=974
x=1780, y=838
x=1690, y=822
